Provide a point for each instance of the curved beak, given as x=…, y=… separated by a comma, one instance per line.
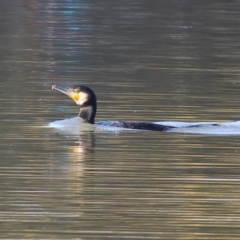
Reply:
x=68, y=91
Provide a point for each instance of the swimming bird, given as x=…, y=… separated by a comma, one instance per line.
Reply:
x=86, y=99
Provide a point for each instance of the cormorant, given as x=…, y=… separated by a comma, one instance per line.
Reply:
x=86, y=99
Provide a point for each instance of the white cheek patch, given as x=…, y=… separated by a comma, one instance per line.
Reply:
x=83, y=98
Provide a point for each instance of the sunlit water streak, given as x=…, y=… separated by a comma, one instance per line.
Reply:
x=75, y=126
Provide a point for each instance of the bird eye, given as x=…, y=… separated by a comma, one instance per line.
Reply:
x=77, y=90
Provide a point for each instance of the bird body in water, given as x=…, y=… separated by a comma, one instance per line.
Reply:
x=86, y=99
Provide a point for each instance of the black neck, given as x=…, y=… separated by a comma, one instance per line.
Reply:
x=87, y=113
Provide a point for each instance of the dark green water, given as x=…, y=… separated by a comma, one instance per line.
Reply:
x=146, y=61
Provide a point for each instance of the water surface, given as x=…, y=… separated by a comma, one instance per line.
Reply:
x=146, y=61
